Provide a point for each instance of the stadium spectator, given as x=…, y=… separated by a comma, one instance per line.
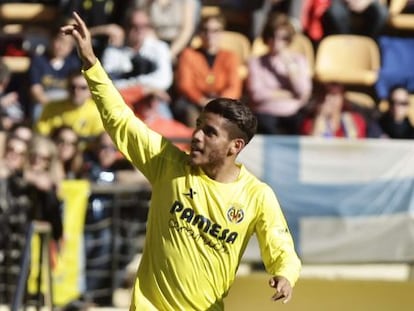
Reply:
x=143, y=62
x=14, y=218
x=105, y=18
x=264, y=8
x=174, y=21
x=28, y=185
x=178, y=132
x=11, y=111
x=14, y=155
x=395, y=122
x=69, y=151
x=330, y=114
x=22, y=130
x=279, y=82
x=325, y=17
x=78, y=111
x=44, y=169
x=205, y=73
x=48, y=72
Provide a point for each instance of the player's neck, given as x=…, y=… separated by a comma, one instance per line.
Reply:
x=226, y=173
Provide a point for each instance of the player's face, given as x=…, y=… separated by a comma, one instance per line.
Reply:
x=210, y=144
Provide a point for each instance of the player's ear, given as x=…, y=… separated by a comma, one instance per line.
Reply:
x=237, y=145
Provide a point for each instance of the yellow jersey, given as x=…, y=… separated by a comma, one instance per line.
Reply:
x=84, y=119
x=197, y=228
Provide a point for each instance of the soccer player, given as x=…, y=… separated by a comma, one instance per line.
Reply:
x=205, y=206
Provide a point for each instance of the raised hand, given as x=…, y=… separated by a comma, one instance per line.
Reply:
x=82, y=36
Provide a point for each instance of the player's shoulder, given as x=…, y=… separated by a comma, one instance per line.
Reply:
x=253, y=182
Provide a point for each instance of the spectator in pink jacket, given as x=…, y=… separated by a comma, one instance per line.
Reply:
x=279, y=82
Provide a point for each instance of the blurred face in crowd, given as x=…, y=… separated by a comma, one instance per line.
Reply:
x=400, y=103
x=139, y=27
x=23, y=132
x=40, y=156
x=210, y=34
x=107, y=151
x=280, y=40
x=15, y=154
x=66, y=143
x=334, y=99
x=78, y=89
x=62, y=46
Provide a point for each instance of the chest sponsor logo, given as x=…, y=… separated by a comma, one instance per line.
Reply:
x=202, y=228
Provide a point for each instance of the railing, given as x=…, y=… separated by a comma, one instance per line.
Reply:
x=123, y=208
x=43, y=229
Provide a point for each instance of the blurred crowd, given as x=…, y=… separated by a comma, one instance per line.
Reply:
x=167, y=60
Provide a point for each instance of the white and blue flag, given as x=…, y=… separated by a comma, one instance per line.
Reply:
x=346, y=200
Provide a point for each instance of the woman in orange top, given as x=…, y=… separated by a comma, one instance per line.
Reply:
x=206, y=73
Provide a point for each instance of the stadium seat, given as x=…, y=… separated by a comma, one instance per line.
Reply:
x=300, y=43
x=27, y=12
x=361, y=99
x=348, y=59
x=396, y=59
x=16, y=64
x=28, y=21
x=397, y=18
x=236, y=42
x=207, y=10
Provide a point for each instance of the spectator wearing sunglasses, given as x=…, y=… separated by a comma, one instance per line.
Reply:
x=29, y=178
x=69, y=151
x=396, y=122
x=78, y=110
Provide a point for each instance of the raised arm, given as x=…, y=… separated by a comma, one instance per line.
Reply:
x=82, y=36
x=139, y=144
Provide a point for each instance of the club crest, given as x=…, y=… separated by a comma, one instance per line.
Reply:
x=235, y=215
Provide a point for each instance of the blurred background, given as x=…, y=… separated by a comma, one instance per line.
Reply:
x=332, y=86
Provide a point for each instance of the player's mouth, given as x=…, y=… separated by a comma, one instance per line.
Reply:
x=195, y=150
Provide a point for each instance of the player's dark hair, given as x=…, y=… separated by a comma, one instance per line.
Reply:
x=239, y=115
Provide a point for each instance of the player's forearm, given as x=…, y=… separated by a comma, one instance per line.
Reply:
x=88, y=60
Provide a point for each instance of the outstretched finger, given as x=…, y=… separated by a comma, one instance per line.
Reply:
x=80, y=23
